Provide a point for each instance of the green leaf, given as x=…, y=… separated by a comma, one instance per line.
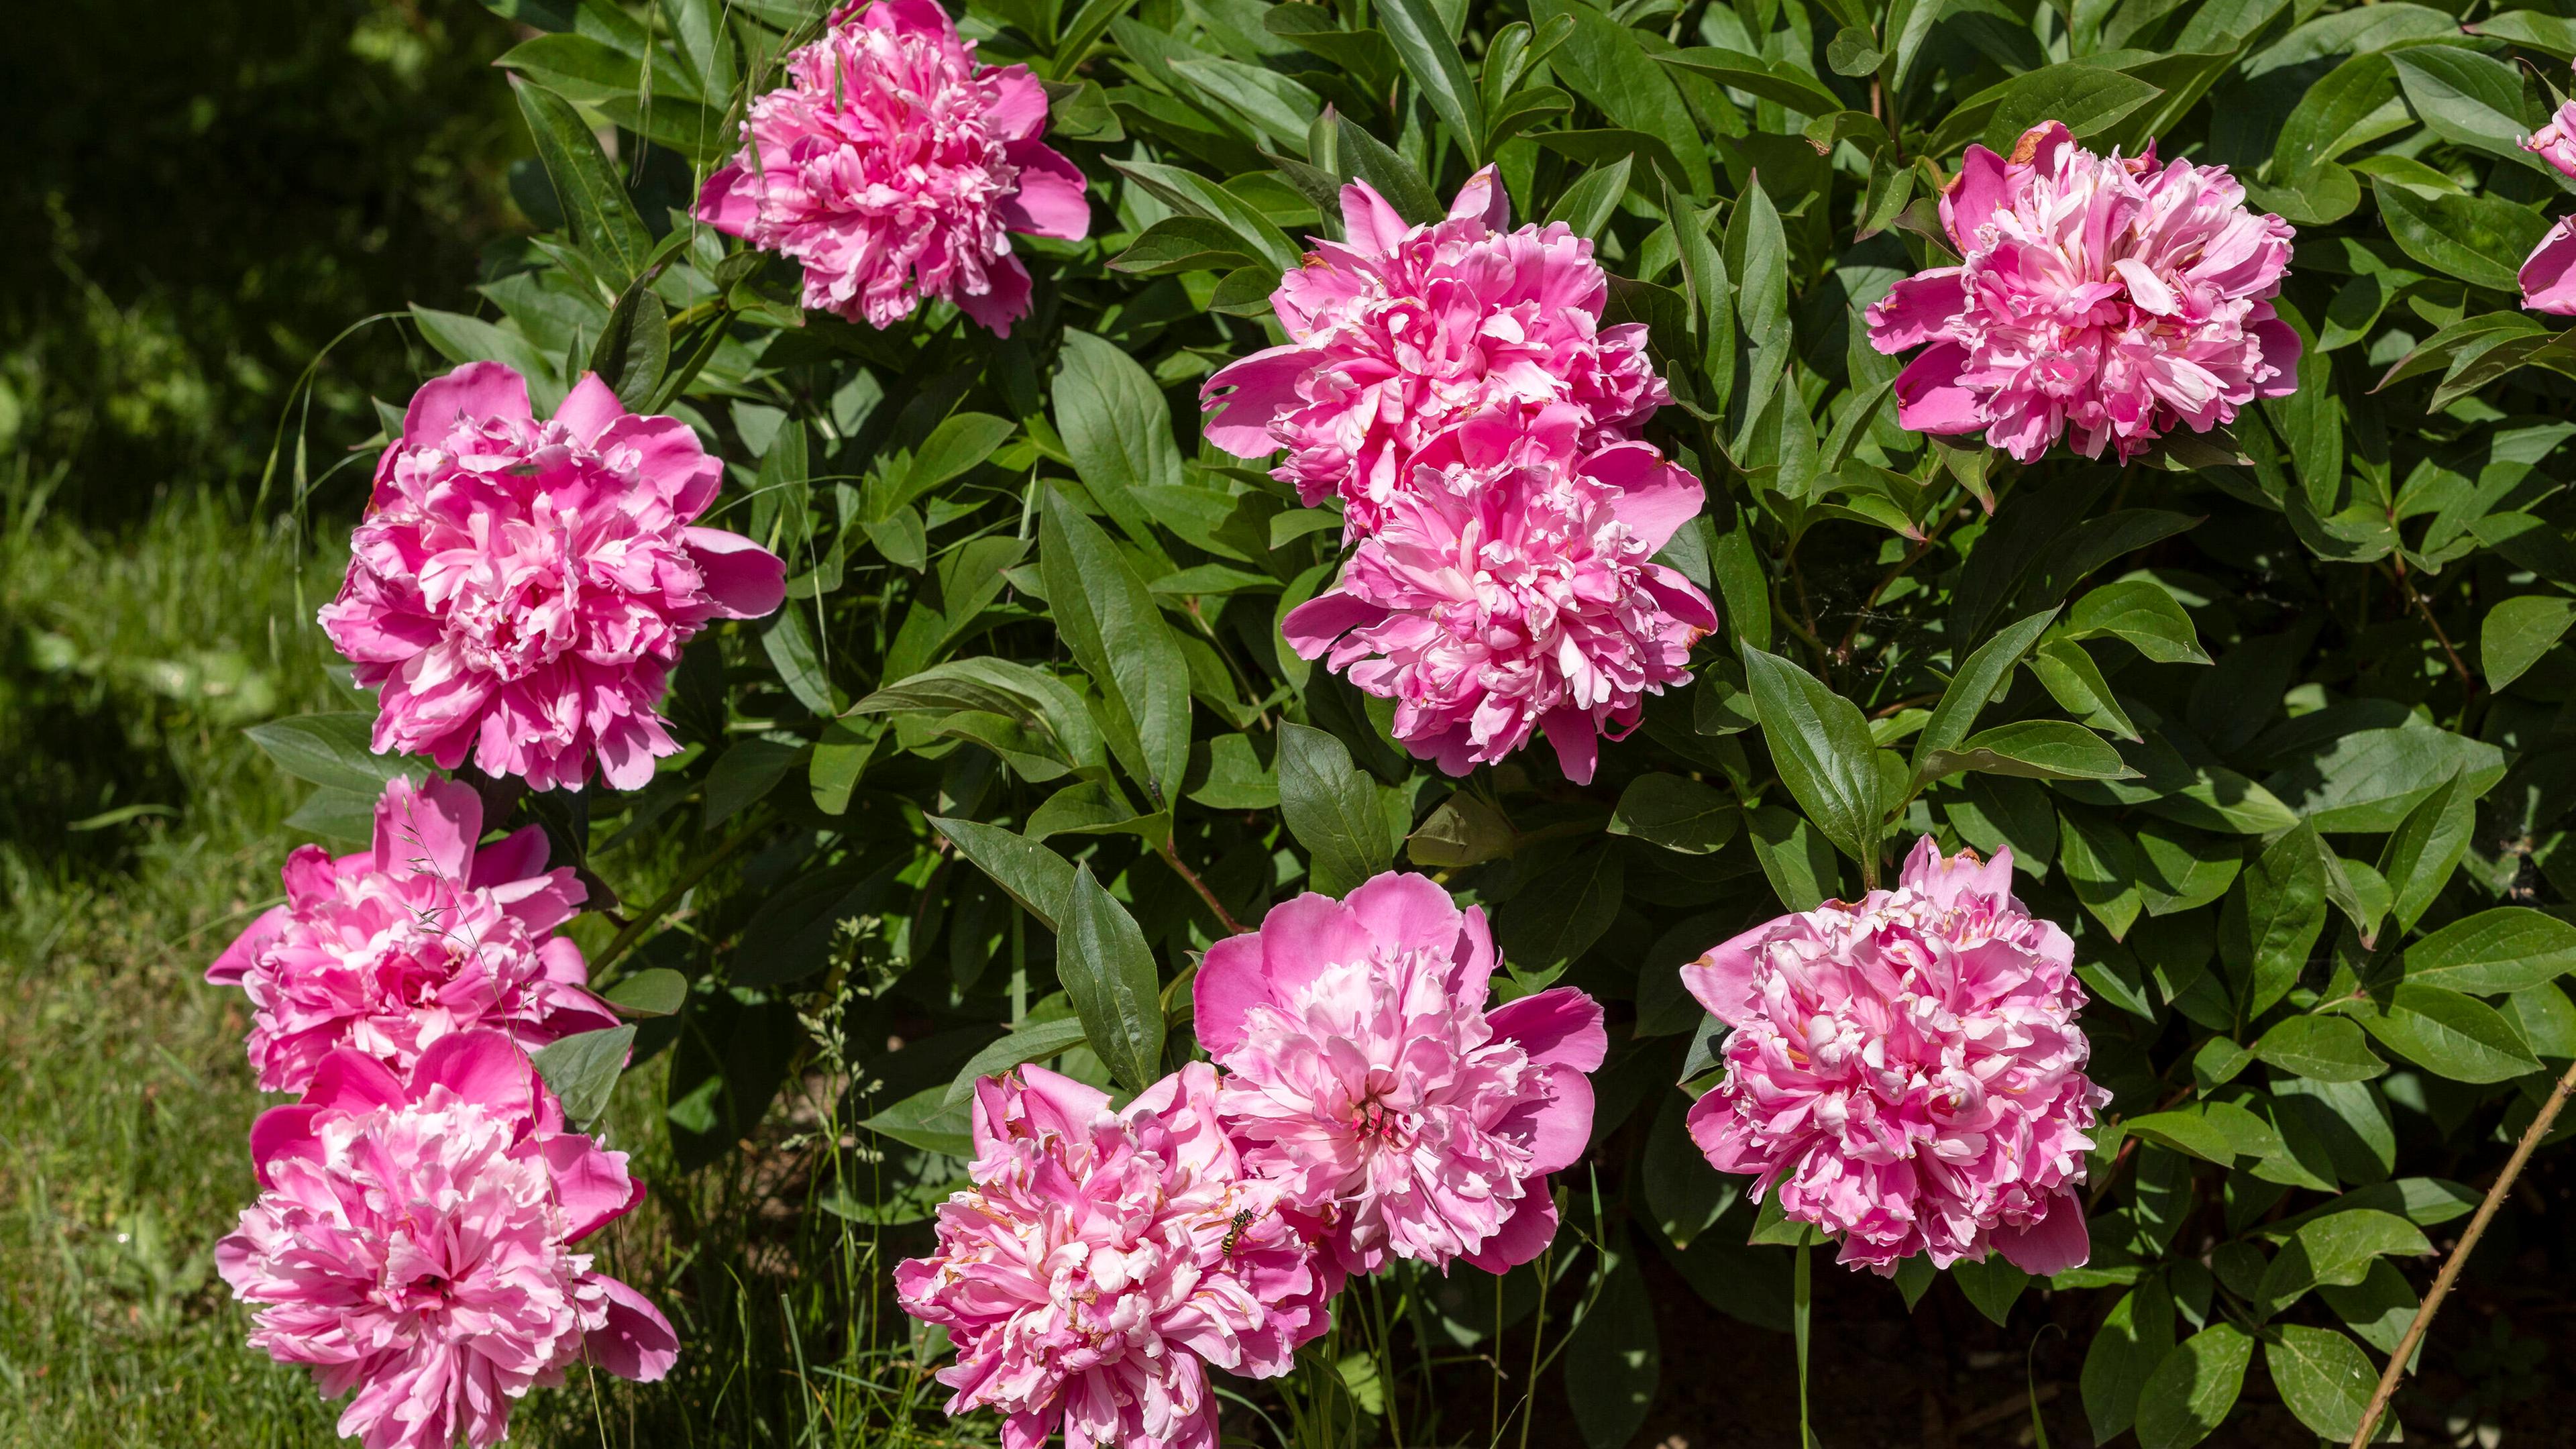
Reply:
x=2365, y=781
x=2070, y=676
x=1034, y=1042
x=2426, y=847
x=1108, y=974
x=334, y=751
x=1038, y=878
x=2492, y=952
x=790, y=647
x=1975, y=684
x=634, y=349
x=1430, y=55
x=576, y=67
x=2126, y=1349
x=1109, y=622
x=1822, y=747
x=1332, y=809
x=2478, y=239
x=2141, y=612
x=2450, y=1035
x=2323, y=1376
x=927, y=1120
x=2327, y=1048
x=1778, y=81
x=1183, y=244
x=1607, y=64
x=1794, y=856
x=604, y=223
x=1397, y=179
x=2037, y=749
x=2516, y=632
x=1614, y=1360
x=1682, y=1196
x=582, y=1069
x=1543, y=931
x=2190, y=1393
x=1118, y=431
x=1676, y=813
x=2273, y=918
x=657, y=991
x=1593, y=199
x=1278, y=107
x=1757, y=257
x=2337, y=1248
x=2087, y=98
x=2468, y=99
x=460, y=338
x=1991, y=1284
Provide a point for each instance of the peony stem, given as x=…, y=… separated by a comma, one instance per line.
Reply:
x=1801, y=1313
x=2450, y=1274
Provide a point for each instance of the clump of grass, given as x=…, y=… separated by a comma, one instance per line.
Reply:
x=126, y=666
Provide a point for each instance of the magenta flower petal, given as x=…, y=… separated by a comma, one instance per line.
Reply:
x=2103, y=300
x=2549, y=274
x=1103, y=1261
x=1906, y=1072
x=1399, y=332
x=390, y=951
x=2555, y=143
x=519, y=590
x=1366, y=1078
x=893, y=167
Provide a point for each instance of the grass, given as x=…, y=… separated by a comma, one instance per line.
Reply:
x=138, y=832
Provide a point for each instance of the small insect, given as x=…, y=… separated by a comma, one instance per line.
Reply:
x=1234, y=1234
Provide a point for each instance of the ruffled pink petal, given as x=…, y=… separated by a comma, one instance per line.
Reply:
x=2056, y=1242
x=636, y=1342
x=591, y=406
x=1929, y=396
x=1368, y=223
x=2549, y=274
x=742, y=579
x=475, y=390
x=1050, y=201
x=1229, y=984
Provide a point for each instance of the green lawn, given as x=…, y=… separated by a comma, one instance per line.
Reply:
x=138, y=832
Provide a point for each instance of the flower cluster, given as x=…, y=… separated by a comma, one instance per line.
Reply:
x=1453, y=385
x=394, y=948
x=1511, y=591
x=1369, y=1108
x=521, y=589
x=1906, y=1072
x=1399, y=332
x=414, y=1235
x=893, y=167
x=2549, y=273
x=2105, y=300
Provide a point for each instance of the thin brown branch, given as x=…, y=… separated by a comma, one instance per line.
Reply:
x=1224, y=917
x=2450, y=1274
x=2405, y=585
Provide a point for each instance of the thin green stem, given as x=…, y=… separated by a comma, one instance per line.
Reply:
x=1801, y=1312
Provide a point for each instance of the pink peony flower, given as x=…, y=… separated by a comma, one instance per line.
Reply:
x=522, y=589
x=392, y=949
x=2555, y=143
x=413, y=1242
x=1104, y=1259
x=1366, y=1076
x=1907, y=1071
x=2549, y=274
x=1511, y=589
x=2101, y=298
x=892, y=167
x=1399, y=332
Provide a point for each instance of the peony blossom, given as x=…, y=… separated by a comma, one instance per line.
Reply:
x=521, y=589
x=1364, y=1073
x=392, y=949
x=893, y=167
x=1907, y=1072
x=1511, y=589
x=1400, y=331
x=2549, y=274
x=413, y=1242
x=2102, y=299
x=1103, y=1260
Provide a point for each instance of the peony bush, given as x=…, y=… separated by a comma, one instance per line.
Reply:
x=1256, y=797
